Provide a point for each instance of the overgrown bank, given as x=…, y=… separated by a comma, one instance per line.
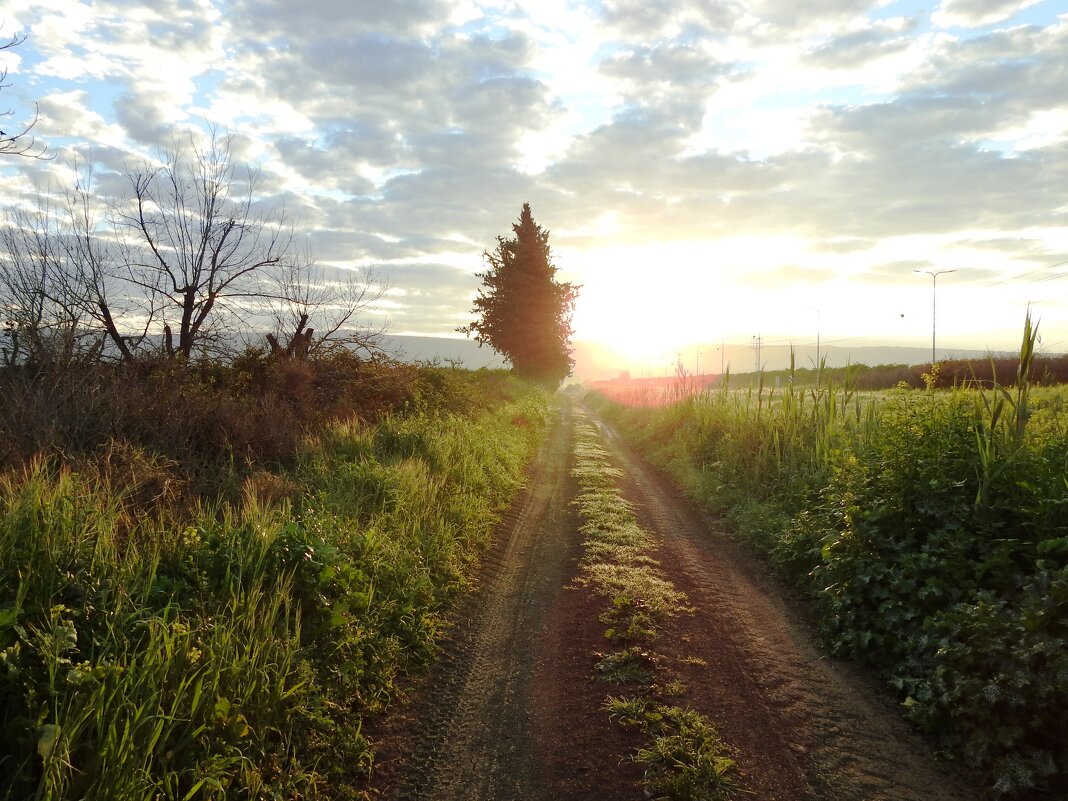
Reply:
x=929, y=528
x=233, y=648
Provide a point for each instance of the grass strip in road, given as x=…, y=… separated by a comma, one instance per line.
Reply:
x=683, y=756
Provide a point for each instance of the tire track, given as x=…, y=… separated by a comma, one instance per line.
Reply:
x=471, y=730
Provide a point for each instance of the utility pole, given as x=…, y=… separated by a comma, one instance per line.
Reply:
x=757, y=340
x=934, y=308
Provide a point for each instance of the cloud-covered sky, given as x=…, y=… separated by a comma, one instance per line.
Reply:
x=709, y=169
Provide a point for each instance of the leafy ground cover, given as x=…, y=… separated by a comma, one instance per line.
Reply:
x=159, y=643
x=929, y=528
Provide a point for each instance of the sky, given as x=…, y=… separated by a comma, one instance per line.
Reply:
x=708, y=170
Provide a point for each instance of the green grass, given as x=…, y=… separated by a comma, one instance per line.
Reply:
x=221, y=650
x=930, y=530
x=682, y=756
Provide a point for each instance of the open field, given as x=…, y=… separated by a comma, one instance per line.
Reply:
x=218, y=580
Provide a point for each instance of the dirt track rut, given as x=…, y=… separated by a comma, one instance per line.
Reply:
x=470, y=733
x=511, y=711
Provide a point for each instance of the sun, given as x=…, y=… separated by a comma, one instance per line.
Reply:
x=647, y=302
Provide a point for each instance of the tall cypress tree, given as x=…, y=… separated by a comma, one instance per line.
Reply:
x=523, y=312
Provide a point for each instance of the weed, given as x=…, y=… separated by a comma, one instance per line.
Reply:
x=629, y=665
x=157, y=645
x=685, y=760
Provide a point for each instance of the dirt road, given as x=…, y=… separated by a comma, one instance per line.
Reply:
x=511, y=710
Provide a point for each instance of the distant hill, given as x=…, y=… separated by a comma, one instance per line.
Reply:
x=596, y=361
x=442, y=349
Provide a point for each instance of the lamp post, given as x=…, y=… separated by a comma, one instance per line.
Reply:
x=934, y=295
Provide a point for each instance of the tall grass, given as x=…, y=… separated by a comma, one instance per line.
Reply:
x=233, y=649
x=930, y=529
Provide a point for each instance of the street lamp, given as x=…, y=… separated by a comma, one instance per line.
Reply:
x=934, y=286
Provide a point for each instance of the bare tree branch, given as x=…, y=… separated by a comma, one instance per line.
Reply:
x=305, y=293
x=22, y=143
x=204, y=241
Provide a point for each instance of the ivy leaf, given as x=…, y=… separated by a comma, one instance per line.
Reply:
x=47, y=737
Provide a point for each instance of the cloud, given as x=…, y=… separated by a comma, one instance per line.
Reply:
x=67, y=114
x=1018, y=70
x=323, y=18
x=859, y=47
x=407, y=134
x=976, y=13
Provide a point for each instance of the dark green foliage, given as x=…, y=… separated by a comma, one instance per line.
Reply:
x=930, y=529
x=523, y=312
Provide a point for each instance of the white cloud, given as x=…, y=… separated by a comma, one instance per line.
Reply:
x=976, y=13
x=67, y=114
x=803, y=138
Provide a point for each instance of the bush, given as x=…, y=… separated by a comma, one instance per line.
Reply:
x=153, y=645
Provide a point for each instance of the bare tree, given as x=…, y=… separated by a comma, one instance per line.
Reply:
x=60, y=295
x=185, y=259
x=47, y=301
x=305, y=294
x=197, y=242
x=35, y=318
x=23, y=142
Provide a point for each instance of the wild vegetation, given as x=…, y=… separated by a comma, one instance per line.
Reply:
x=186, y=261
x=683, y=757
x=928, y=528
x=211, y=575
x=228, y=521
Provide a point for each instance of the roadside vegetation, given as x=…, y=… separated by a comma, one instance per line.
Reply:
x=682, y=756
x=212, y=574
x=229, y=522
x=928, y=528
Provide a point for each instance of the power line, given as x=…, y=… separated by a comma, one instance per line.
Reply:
x=1031, y=272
